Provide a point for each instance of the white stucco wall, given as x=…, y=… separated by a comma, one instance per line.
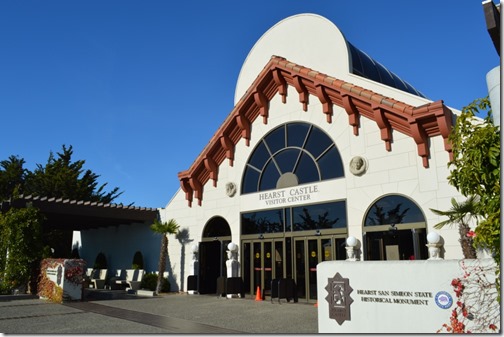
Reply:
x=119, y=244
x=397, y=172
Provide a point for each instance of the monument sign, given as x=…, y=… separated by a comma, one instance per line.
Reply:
x=425, y=296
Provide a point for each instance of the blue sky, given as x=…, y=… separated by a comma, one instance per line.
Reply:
x=126, y=83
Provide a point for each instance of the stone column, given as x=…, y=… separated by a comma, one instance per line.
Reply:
x=352, y=245
x=435, y=243
x=232, y=265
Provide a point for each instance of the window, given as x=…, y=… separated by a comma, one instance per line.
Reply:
x=290, y=155
x=394, y=229
x=216, y=227
x=393, y=210
x=271, y=221
x=330, y=215
x=319, y=216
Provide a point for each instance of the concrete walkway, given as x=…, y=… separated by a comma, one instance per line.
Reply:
x=165, y=314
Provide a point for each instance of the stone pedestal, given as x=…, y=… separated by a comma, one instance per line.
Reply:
x=352, y=248
x=435, y=245
x=351, y=256
x=192, y=285
x=434, y=251
x=192, y=280
x=233, y=271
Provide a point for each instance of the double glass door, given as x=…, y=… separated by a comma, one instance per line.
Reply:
x=296, y=258
x=263, y=261
x=308, y=252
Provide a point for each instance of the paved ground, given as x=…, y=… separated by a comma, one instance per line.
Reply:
x=166, y=314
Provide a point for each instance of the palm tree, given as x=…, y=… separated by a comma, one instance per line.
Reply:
x=461, y=214
x=163, y=228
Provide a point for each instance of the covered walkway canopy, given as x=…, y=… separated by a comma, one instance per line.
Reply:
x=65, y=214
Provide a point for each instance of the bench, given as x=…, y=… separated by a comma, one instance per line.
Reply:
x=130, y=278
x=97, y=278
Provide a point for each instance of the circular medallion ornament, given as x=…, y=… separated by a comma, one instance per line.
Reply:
x=358, y=165
x=443, y=300
x=230, y=189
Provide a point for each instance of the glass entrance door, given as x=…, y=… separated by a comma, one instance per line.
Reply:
x=263, y=261
x=296, y=258
x=406, y=244
x=310, y=251
x=262, y=264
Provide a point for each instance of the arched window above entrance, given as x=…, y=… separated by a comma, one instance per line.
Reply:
x=393, y=210
x=394, y=229
x=216, y=227
x=292, y=154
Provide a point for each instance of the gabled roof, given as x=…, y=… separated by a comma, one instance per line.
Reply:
x=81, y=215
x=419, y=122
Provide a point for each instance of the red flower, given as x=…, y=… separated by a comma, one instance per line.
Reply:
x=471, y=234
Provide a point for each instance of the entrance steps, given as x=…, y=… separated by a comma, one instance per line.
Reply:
x=107, y=294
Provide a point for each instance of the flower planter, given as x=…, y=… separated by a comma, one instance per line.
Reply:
x=61, y=279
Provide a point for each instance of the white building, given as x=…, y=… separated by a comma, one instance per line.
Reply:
x=323, y=143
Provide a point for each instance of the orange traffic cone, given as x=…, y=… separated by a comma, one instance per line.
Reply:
x=258, y=294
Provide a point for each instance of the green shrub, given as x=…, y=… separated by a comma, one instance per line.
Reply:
x=5, y=289
x=100, y=261
x=21, y=237
x=149, y=282
x=75, y=253
x=137, y=260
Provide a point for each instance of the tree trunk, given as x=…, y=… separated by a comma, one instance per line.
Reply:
x=162, y=262
x=466, y=242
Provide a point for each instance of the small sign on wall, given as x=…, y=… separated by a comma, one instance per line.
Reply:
x=61, y=279
x=392, y=252
x=55, y=274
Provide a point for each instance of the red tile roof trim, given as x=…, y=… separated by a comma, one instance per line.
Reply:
x=420, y=123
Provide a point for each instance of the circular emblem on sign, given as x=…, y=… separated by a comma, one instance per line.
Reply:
x=257, y=255
x=313, y=254
x=268, y=255
x=327, y=253
x=443, y=300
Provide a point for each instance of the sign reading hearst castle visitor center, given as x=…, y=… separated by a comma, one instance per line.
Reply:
x=290, y=196
x=405, y=296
